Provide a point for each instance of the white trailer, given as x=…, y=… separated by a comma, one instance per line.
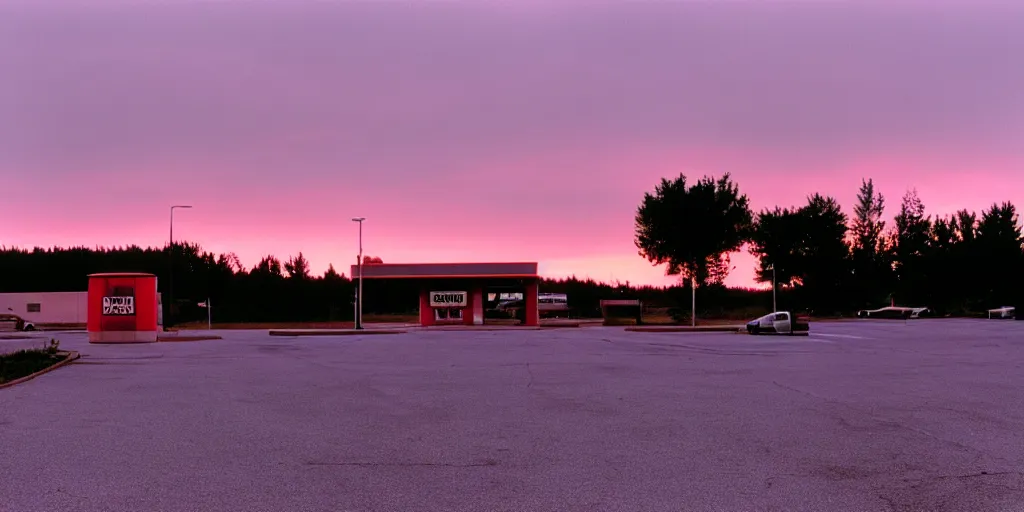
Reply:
x=42, y=308
x=50, y=308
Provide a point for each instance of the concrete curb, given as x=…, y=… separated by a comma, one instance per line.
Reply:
x=178, y=339
x=481, y=328
x=327, y=332
x=560, y=324
x=70, y=356
x=706, y=328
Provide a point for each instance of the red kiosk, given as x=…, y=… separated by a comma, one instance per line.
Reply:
x=453, y=293
x=123, y=308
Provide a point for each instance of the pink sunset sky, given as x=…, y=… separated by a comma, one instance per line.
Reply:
x=482, y=131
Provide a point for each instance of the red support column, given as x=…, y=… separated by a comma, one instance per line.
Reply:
x=478, y=305
x=467, y=312
x=532, y=313
x=426, y=312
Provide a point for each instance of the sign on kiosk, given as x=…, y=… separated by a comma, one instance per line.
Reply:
x=118, y=306
x=448, y=299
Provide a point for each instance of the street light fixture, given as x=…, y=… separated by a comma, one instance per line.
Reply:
x=170, y=276
x=775, y=308
x=359, y=293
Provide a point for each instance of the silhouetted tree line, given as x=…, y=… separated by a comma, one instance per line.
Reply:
x=269, y=291
x=276, y=291
x=826, y=262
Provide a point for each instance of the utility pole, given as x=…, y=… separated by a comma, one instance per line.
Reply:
x=355, y=298
x=359, y=293
x=170, y=275
x=775, y=307
x=693, y=306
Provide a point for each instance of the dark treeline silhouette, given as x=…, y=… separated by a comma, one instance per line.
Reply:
x=822, y=260
x=269, y=291
x=826, y=262
x=956, y=264
x=276, y=291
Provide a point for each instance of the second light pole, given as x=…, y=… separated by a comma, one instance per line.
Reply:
x=359, y=292
x=170, y=277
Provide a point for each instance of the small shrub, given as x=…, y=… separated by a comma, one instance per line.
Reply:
x=22, y=363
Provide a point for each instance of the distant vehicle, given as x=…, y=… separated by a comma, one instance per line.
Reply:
x=552, y=302
x=894, y=312
x=15, y=323
x=545, y=302
x=781, y=322
x=1003, y=312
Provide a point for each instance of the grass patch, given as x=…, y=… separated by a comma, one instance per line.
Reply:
x=25, y=362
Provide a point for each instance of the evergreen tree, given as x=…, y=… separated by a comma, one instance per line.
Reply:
x=871, y=269
x=910, y=244
x=999, y=250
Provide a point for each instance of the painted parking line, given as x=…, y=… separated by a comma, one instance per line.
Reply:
x=849, y=336
x=814, y=338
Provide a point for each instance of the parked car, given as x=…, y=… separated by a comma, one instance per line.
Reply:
x=780, y=322
x=10, y=322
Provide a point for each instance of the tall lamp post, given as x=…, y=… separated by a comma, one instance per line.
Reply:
x=775, y=308
x=170, y=276
x=359, y=293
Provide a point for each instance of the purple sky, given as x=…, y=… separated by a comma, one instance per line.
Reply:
x=521, y=131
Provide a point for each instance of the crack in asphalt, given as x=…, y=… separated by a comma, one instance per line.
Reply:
x=66, y=493
x=889, y=502
x=984, y=473
x=879, y=419
x=892, y=504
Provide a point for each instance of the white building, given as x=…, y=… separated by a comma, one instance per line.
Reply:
x=47, y=307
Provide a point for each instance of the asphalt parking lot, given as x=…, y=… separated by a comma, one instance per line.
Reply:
x=865, y=415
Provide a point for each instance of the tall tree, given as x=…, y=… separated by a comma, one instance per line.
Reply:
x=943, y=246
x=910, y=244
x=807, y=250
x=999, y=248
x=868, y=225
x=691, y=229
x=870, y=266
x=825, y=253
x=964, y=262
x=952, y=260
x=777, y=242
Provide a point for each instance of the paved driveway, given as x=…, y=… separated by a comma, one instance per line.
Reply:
x=872, y=415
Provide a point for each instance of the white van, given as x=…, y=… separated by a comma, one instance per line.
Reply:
x=1003, y=312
